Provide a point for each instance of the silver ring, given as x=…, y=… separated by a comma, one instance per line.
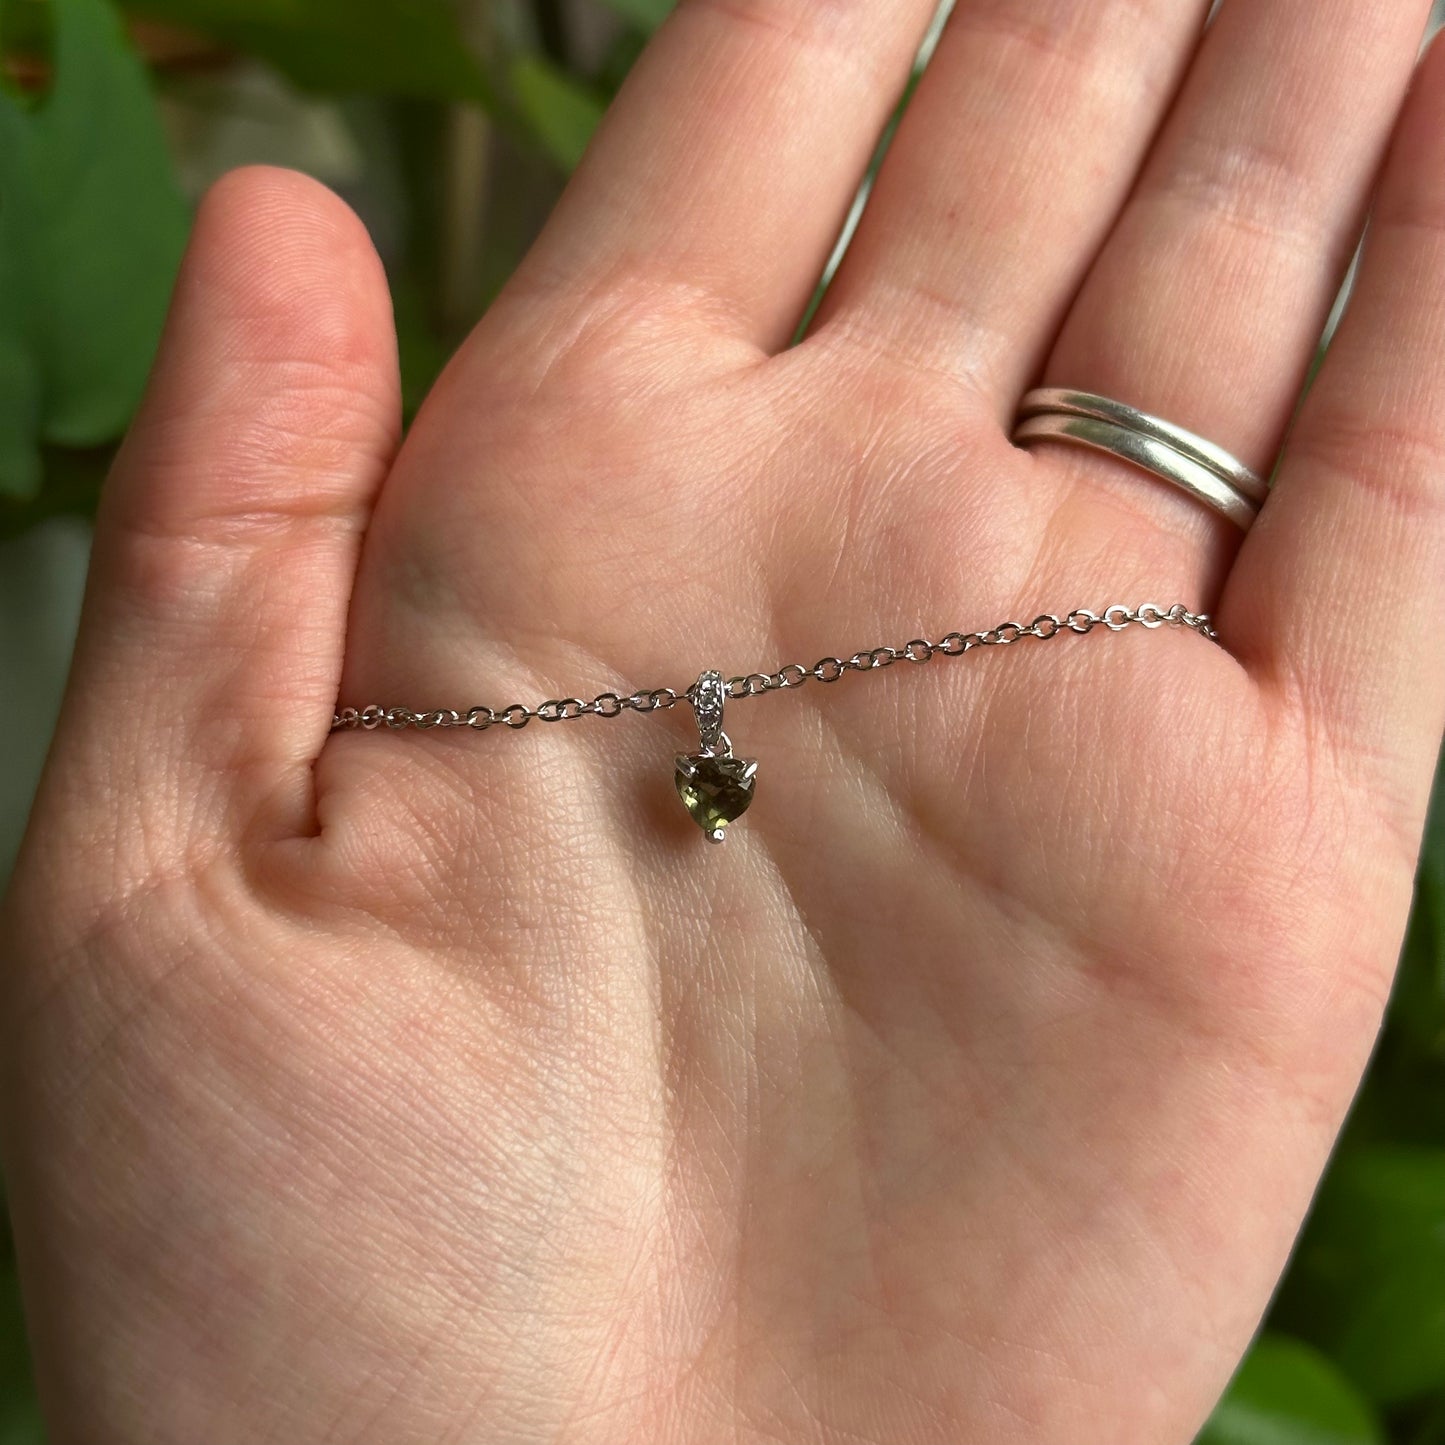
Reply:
x=1161, y=458
x=1193, y=446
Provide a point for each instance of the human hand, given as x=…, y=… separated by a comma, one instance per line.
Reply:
x=435, y=1086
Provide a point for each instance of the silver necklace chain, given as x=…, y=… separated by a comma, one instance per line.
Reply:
x=827, y=669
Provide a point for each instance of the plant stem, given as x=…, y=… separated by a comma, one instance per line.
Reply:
x=552, y=34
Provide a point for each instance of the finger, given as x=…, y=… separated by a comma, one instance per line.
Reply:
x=721, y=176
x=1339, y=587
x=1208, y=302
x=211, y=638
x=1006, y=173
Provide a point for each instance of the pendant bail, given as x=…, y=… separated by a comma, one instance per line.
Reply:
x=707, y=696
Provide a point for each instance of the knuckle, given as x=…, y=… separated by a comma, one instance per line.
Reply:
x=1396, y=463
x=1261, y=188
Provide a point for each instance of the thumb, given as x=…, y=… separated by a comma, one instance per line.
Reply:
x=211, y=637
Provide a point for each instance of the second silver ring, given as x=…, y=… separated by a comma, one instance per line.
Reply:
x=1205, y=471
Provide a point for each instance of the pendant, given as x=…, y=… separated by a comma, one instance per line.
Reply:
x=715, y=787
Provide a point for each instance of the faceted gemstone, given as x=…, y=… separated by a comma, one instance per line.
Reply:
x=715, y=790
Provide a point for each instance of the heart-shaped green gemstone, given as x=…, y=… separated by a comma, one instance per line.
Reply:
x=716, y=791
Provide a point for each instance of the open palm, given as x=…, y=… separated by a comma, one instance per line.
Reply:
x=423, y=1086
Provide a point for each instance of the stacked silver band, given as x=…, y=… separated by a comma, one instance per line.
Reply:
x=1207, y=472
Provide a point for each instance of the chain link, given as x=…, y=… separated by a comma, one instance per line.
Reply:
x=793, y=674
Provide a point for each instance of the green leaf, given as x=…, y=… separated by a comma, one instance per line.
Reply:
x=421, y=353
x=1368, y=1281
x=19, y=1414
x=559, y=112
x=1288, y=1394
x=1423, y=1426
x=646, y=15
x=14, y=1351
x=20, y=1422
x=25, y=27
x=19, y=386
x=70, y=483
x=1418, y=1004
x=91, y=230
x=387, y=47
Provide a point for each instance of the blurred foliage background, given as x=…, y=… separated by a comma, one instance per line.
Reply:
x=450, y=125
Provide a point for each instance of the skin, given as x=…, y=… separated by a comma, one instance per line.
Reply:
x=449, y=1087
